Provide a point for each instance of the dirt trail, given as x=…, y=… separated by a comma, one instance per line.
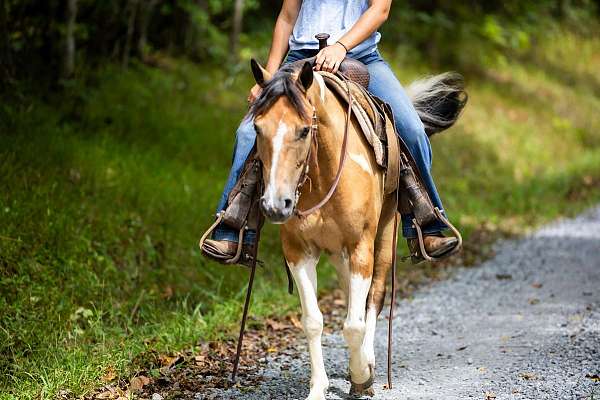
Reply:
x=524, y=325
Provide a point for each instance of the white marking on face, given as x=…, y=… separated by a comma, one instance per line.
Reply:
x=321, y=84
x=282, y=129
x=362, y=162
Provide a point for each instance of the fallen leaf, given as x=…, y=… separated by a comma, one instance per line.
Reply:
x=138, y=382
x=294, y=320
x=170, y=361
x=594, y=377
x=167, y=293
x=490, y=395
x=533, y=302
x=275, y=325
x=109, y=375
x=528, y=376
x=536, y=285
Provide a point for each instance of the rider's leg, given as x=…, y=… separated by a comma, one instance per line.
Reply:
x=244, y=142
x=384, y=84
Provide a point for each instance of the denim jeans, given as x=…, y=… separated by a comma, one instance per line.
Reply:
x=384, y=85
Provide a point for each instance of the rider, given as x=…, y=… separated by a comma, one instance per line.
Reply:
x=353, y=28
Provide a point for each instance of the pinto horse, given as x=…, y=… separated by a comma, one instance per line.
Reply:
x=300, y=126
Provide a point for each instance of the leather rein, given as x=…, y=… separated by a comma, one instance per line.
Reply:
x=314, y=130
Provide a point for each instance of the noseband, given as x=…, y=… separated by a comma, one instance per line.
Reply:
x=314, y=130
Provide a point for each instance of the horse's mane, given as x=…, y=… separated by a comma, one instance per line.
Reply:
x=283, y=83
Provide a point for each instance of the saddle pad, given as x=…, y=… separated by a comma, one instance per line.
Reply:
x=376, y=123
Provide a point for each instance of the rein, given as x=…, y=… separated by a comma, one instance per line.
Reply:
x=314, y=130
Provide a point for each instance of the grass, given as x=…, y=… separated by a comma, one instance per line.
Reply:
x=106, y=189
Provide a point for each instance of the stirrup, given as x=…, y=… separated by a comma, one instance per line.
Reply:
x=238, y=255
x=420, y=238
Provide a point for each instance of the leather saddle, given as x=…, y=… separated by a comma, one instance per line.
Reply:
x=352, y=69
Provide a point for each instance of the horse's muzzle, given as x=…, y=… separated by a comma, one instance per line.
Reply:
x=277, y=210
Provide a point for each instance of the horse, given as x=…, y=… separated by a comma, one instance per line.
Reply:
x=300, y=126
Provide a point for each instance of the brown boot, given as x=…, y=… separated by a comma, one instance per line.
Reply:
x=224, y=250
x=436, y=246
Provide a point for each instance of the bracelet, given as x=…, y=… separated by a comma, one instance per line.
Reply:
x=343, y=45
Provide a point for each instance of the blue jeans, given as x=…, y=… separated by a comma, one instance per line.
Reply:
x=384, y=85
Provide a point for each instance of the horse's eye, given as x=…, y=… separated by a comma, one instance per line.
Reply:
x=304, y=132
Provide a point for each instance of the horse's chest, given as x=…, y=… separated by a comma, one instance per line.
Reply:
x=329, y=234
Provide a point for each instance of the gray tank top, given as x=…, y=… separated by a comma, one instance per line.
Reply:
x=335, y=17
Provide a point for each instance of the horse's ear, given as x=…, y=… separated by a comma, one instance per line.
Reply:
x=306, y=76
x=261, y=75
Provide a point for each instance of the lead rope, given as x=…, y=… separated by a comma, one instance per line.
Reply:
x=238, y=352
x=393, y=299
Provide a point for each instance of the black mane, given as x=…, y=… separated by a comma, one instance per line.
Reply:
x=283, y=83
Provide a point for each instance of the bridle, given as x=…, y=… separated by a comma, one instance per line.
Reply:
x=314, y=130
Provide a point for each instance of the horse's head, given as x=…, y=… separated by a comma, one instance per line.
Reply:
x=282, y=118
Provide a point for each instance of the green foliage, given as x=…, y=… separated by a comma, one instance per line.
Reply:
x=107, y=187
x=442, y=31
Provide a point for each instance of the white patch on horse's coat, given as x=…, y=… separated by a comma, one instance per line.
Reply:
x=321, y=84
x=369, y=341
x=361, y=161
x=341, y=263
x=270, y=192
x=355, y=327
x=305, y=276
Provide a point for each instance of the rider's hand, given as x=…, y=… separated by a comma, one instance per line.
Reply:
x=254, y=93
x=330, y=58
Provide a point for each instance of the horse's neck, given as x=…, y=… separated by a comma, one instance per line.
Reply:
x=331, y=119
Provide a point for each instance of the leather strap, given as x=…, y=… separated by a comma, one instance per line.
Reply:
x=343, y=156
x=421, y=240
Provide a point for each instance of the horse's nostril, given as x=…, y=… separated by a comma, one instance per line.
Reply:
x=288, y=203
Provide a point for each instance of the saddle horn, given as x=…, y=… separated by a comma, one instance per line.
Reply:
x=322, y=38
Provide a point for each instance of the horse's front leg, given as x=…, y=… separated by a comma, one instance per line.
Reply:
x=304, y=271
x=361, y=272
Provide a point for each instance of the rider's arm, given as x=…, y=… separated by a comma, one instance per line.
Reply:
x=281, y=35
x=368, y=23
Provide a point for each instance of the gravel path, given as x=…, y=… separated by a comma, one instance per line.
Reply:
x=524, y=325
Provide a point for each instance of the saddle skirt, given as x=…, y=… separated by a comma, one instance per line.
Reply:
x=376, y=121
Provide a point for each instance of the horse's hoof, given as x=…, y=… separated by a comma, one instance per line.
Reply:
x=364, y=389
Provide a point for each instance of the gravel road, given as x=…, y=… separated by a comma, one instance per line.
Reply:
x=524, y=325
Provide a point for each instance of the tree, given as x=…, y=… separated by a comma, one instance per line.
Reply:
x=6, y=63
x=236, y=29
x=69, y=50
x=132, y=7
x=145, y=16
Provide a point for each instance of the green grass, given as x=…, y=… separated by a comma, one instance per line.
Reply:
x=106, y=189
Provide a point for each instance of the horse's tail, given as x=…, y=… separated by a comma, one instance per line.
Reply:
x=439, y=100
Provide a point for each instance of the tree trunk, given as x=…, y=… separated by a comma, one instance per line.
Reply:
x=236, y=29
x=6, y=63
x=132, y=6
x=69, y=54
x=145, y=17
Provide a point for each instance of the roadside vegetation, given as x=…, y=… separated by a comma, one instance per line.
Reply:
x=107, y=184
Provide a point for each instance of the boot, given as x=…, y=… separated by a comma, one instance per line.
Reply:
x=437, y=246
x=225, y=250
